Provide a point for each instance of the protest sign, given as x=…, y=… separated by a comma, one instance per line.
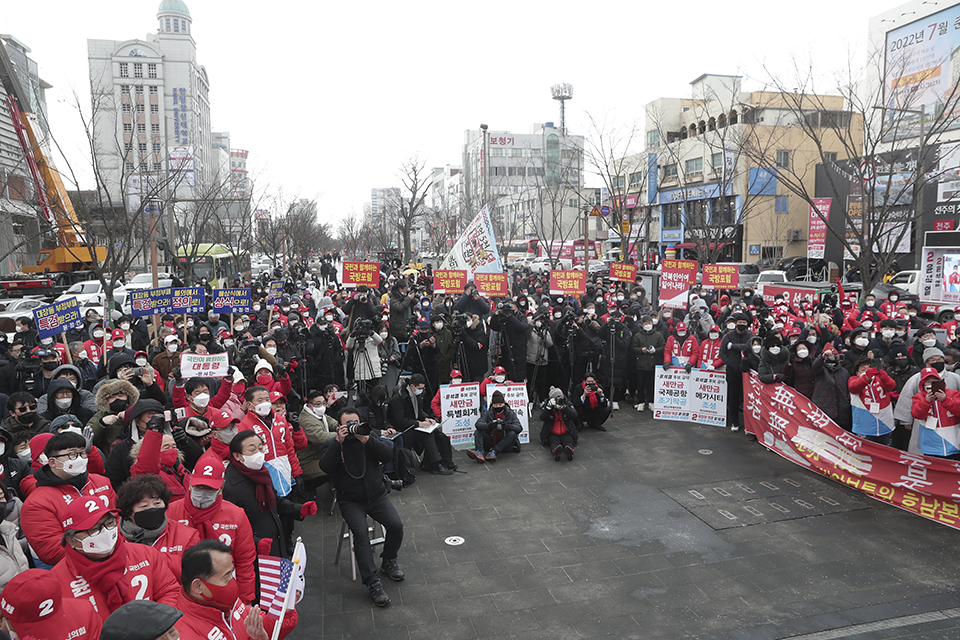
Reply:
x=193, y=365
x=460, y=410
x=275, y=292
x=721, y=276
x=572, y=283
x=149, y=302
x=188, y=300
x=698, y=396
x=361, y=273
x=476, y=249
x=449, y=281
x=676, y=277
x=492, y=285
x=54, y=319
x=515, y=395
x=795, y=296
x=817, y=230
x=231, y=301
x=792, y=426
x=623, y=272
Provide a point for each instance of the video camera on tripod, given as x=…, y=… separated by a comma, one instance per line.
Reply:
x=362, y=329
x=458, y=323
x=247, y=354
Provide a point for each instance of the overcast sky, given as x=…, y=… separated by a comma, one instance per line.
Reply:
x=331, y=97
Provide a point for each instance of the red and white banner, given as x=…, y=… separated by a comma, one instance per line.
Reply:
x=721, y=276
x=492, y=285
x=789, y=424
x=817, y=233
x=449, y=281
x=568, y=283
x=793, y=295
x=623, y=272
x=676, y=276
x=361, y=273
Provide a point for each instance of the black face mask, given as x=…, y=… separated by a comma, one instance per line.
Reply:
x=118, y=405
x=204, y=337
x=741, y=328
x=939, y=366
x=26, y=418
x=150, y=519
x=902, y=363
x=50, y=366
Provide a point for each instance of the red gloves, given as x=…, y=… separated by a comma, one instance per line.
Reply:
x=308, y=509
x=292, y=366
x=263, y=547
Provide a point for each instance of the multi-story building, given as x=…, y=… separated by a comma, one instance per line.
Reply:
x=239, y=180
x=151, y=109
x=532, y=182
x=708, y=184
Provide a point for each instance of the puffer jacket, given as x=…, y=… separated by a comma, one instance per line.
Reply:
x=104, y=435
x=798, y=373
x=319, y=434
x=638, y=346
x=831, y=392
x=772, y=365
x=87, y=399
x=12, y=558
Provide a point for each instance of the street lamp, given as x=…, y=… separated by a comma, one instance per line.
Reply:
x=918, y=189
x=484, y=160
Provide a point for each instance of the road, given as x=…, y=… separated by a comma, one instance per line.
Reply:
x=617, y=544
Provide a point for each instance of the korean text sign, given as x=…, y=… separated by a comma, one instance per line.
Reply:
x=515, y=395
x=460, y=409
x=817, y=235
x=675, y=279
x=188, y=300
x=492, y=285
x=58, y=317
x=148, y=302
x=698, y=396
x=623, y=272
x=193, y=365
x=449, y=281
x=231, y=301
x=275, y=292
x=721, y=276
x=568, y=282
x=361, y=273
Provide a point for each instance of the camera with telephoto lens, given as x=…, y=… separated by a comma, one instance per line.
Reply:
x=246, y=355
x=362, y=329
x=592, y=388
x=498, y=425
x=391, y=484
x=28, y=363
x=458, y=323
x=355, y=428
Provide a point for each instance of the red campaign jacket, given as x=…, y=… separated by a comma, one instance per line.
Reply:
x=175, y=539
x=180, y=400
x=147, y=577
x=951, y=328
x=889, y=308
x=708, y=353
x=42, y=515
x=148, y=461
x=278, y=440
x=95, y=464
x=94, y=350
x=230, y=526
x=674, y=349
x=200, y=622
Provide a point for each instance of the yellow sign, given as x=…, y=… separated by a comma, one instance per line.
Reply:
x=625, y=227
x=595, y=211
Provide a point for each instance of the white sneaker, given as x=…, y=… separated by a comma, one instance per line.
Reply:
x=735, y=427
x=638, y=407
x=616, y=406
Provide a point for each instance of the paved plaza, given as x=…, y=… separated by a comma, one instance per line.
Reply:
x=655, y=530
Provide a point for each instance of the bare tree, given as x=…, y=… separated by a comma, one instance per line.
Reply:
x=350, y=234
x=416, y=186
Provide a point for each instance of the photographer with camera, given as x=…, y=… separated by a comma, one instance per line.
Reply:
x=471, y=302
x=539, y=344
x=137, y=421
x=352, y=460
x=559, y=430
x=325, y=355
x=593, y=408
x=498, y=430
x=437, y=351
x=363, y=349
x=402, y=301
x=513, y=335
x=360, y=306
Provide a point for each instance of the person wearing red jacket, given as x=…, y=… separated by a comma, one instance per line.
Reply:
x=870, y=401
x=276, y=434
x=192, y=398
x=455, y=378
x=680, y=348
x=157, y=454
x=951, y=326
x=892, y=304
x=142, y=502
x=707, y=356
x=263, y=376
x=32, y=605
x=210, y=603
x=95, y=345
x=101, y=567
x=499, y=377
x=60, y=481
x=214, y=518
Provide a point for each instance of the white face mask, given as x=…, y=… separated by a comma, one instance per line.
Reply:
x=227, y=434
x=861, y=342
x=47, y=342
x=901, y=333
x=317, y=411
x=272, y=351
x=82, y=355
x=536, y=324
x=456, y=381
x=870, y=303
x=656, y=320
x=438, y=326
x=681, y=334
x=714, y=335
x=731, y=326
x=812, y=339
x=25, y=456
x=263, y=409
x=64, y=403
x=102, y=543
x=648, y=327
x=141, y=362
x=328, y=317
x=775, y=351
x=238, y=328
x=499, y=378
x=172, y=347
x=894, y=298
x=76, y=467
x=228, y=342
x=189, y=324
x=888, y=333
x=256, y=307
x=118, y=344
x=384, y=335
x=21, y=328
x=254, y=462
x=802, y=353
x=929, y=342
x=125, y=326
x=417, y=392
x=756, y=348
x=201, y=399
x=203, y=497
x=867, y=324
x=98, y=334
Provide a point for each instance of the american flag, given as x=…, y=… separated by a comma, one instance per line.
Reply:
x=275, y=575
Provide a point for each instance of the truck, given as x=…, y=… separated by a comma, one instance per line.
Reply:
x=938, y=280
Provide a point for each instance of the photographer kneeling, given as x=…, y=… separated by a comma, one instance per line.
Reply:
x=498, y=430
x=559, y=430
x=592, y=407
x=353, y=461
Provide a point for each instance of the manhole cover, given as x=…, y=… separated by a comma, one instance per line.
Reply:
x=454, y=541
x=705, y=452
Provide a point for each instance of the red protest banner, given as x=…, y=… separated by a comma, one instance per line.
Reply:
x=492, y=285
x=358, y=273
x=721, y=276
x=792, y=426
x=623, y=272
x=568, y=282
x=793, y=295
x=449, y=281
x=676, y=276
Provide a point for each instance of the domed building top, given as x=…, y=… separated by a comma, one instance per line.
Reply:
x=174, y=6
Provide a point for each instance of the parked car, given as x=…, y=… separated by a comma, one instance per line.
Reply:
x=12, y=309
x=908, y=281
x=145, y=281
x=91, y=291
x=540, y=265
x=807, y=269
x=767, y=263
x=772, y=276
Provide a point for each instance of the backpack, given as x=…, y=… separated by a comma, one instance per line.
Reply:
x=404, y=466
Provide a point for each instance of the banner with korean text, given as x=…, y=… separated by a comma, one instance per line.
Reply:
x=193, y=365
x=149, y=302
x=361, y=273
x=817, y=233
x=792, y=426
x=515, y=395
x=676, y=276
x=698, y=396
x=54, y=319
x=188, y=300
x=492, y=285
x=460, y=410
x=568, y=282
x=449, y=281
x=275, y=292
x=476, y=249
x=721, y=276
x=231, y=301
x=623, y=272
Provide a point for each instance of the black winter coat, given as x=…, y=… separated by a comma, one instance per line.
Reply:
x=618, y=340
x=569, y=415
x=831, y=394
x=798, y=373
x=242, y=491
x=771, y=365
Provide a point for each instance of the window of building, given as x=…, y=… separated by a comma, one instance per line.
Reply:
x=140, y=90
x=142, y=147
x=141, y=128
x=515, y=171
x=143, y=166
x=124, y=70
x=154, y=108
x=129, y=167
x=137, y=69
x=536, y=153
x=653, y=139
x=780, y=204
x=498, y=152
x=127, y=127
x=139, y=108
x=127, y=146
x=693, y=167
x=636, y=179
x=158, y=166
x=774, y=253
x=155, y=127
x=617, y=182
x=716, y=161
x=125, y=89
x=127, y=107
x=498, y=171
x=671, y=215
x=670, y=171
x=153, y=90
x=176, y=25
x=151, y=70
x=516, y=153
x=573, y=202
x=829, y=156
x=783, y=159
x=536, y=171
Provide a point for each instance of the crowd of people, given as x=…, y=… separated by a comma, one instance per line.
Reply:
x=113, y=458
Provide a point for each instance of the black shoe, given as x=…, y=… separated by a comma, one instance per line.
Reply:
x=440, y=470
x=392, y=570
x=557, y=450
x=569, y=451
x=380, y=598
x=600, y=427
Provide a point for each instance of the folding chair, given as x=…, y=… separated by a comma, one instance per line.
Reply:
x=347, y=534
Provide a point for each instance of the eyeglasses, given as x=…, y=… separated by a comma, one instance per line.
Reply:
x=110, y=522
x=71, y=455
x=26, y=407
